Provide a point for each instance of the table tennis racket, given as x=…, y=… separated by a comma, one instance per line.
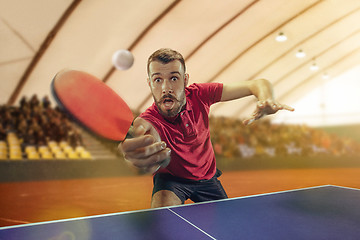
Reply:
x=94, y=105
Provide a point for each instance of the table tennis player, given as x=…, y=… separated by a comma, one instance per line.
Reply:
x=176, y=127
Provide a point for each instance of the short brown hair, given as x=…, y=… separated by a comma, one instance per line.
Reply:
x=166, y=55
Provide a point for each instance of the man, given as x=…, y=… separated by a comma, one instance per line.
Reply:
x=176, y=127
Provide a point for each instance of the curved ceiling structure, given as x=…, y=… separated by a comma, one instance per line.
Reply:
x=222, y=41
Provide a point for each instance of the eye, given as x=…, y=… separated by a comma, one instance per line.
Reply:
x=174, y=78
x=157, y=80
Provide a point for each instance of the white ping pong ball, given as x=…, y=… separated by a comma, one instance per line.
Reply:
x=122, y=59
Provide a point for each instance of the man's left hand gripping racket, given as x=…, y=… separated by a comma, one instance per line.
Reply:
x=93, y=104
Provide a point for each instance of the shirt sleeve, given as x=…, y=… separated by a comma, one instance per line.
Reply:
x=209, y=93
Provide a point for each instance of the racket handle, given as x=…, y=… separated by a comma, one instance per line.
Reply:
x=130, y=133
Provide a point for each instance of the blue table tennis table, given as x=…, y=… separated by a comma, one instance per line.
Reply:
x=321, y=212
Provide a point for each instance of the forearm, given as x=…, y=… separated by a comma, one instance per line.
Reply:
x=260, y=88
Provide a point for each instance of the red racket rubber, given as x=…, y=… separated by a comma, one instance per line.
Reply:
x=93, y=104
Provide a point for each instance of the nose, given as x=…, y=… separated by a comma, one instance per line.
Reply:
x=167, y=87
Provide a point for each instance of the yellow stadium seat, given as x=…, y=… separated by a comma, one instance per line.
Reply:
x=63, y=144
x=12, y=139
x=30, y=149
x=85, y=154
x=68, y=149
x=79, y=149
x=3, y=150
x=3, y=144
x=46, y=155
x=52, y=144
x=3, y=155
x=15, y=148
x=55, y=149
x=42, y=149
x=31, y=152
x=60, y=155
x=33, y=155
x=15, y=156
x=72, y=155
x=14, y=145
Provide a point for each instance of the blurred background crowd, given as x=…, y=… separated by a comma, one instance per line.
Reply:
x=36, y=123
x=33, y=128
x=231, y=138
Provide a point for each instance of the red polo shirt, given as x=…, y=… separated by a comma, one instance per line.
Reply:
x=188, y=135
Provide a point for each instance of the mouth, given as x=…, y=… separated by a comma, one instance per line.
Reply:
x=168, y=103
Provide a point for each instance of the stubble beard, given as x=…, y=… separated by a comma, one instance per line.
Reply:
x=178, y=105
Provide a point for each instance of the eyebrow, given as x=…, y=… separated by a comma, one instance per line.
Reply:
x=176, y=72
x=158, y=73
x=155, y=74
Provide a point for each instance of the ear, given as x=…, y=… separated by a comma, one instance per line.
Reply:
x=186, y=79
x=148, y=81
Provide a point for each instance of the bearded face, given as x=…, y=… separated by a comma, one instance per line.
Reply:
x=167, y=83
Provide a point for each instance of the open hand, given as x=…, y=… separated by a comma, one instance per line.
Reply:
x=266, y=107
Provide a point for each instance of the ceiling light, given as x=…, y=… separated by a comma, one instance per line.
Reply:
x=300, y=54
x=281, y=37
x=314, y=67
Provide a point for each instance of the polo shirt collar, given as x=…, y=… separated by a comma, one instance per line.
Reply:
x=187, y=108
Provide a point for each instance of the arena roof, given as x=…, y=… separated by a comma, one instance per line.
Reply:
x=222, y=41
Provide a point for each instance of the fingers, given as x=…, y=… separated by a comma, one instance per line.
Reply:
x=271, y=106
x=152, y=163
x=156, y=159
x=248, y=121
x=286, y=107
x=145, y=151
x=255, y=116
x=131, y=144
x=266, y=107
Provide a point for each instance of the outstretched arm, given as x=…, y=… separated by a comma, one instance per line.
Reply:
x=262, y=89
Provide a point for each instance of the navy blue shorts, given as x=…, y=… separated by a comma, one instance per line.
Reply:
x=197, y=191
